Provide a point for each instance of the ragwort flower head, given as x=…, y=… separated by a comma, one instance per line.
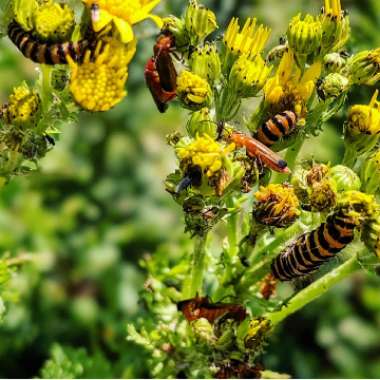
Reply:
x=199, y=22
x=364, y=67
x=248, y=41
x=22, y=108
x=193, y=91
x=248, y=77
x=123, y=14
x=335, y=26
x=277, y=205
x=304, y=35
x=205, y=153
x=362, y=129
x=53, y=21
x=289, y=88
x=99, y=85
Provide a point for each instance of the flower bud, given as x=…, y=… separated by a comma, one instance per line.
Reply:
x=249, y=41
x=54, y=22
x=316, y=174
x=200, y=217
x=363, y=126
x=203, y=330
x=322, y=195
x=205, y=62
x=333, y=86
x=257, y=331
x=334, y=62
x=344, y=178
x=335, y=26
x=201, y=123
x=193, y=91
x=371, y=233
x=248, y=77
x=363, y=68
x=22, y=108
x=176, y=27
x=370, y=173
x=304, y=35
x=199, y=22
x=276, y=205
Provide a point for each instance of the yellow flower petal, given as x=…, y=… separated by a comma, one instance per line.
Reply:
x=104, y=19
x=125, y=30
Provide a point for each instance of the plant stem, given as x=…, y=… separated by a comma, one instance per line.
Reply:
x=314, y=290
x=193, y=285
x=349, y=157
x=45, y=86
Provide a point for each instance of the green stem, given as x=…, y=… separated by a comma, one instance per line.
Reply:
x=315, y=290
x=193, y=285
x=349, y=158
x=291, y=156
x=45, y=86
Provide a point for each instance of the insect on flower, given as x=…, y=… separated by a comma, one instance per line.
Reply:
x=153, y=81
x=95, y=12
x=314, y=248
x=164, y=64
x=257, y=149
x=201, y=307
x=45, y=52
x=276, y=128
x=160, y=72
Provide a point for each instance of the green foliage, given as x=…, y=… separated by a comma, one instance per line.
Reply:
x=108, y=248
x=71, y=363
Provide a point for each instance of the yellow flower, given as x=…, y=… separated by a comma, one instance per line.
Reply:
x=194, y=91
x=277, y=205
x=333, y=8
x=124, y=14
x=289, y=84
x=53, y=21
x=335, y=26
x=363, y=119
x=304, y=35
x=204, y=152
x=248, y=77
x=199, y=22
x=249, y=41
x=364, y=67
x=22, y=107
x=100, y=85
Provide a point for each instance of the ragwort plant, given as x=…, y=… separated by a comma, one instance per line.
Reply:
x=283, y=219
x=211, y=315
x=82, y=50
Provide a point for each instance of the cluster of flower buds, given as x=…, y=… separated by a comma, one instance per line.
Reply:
x=320, y=186
x=21, y=141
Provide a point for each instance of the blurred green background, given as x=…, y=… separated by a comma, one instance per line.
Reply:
x=97, y=206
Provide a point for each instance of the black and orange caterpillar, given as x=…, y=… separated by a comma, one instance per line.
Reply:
x=277, y=127
x=45, y=52
x=314, y=248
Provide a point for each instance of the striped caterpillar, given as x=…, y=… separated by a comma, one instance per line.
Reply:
x=45, y=52
x=314, y=248
x=277, y=127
